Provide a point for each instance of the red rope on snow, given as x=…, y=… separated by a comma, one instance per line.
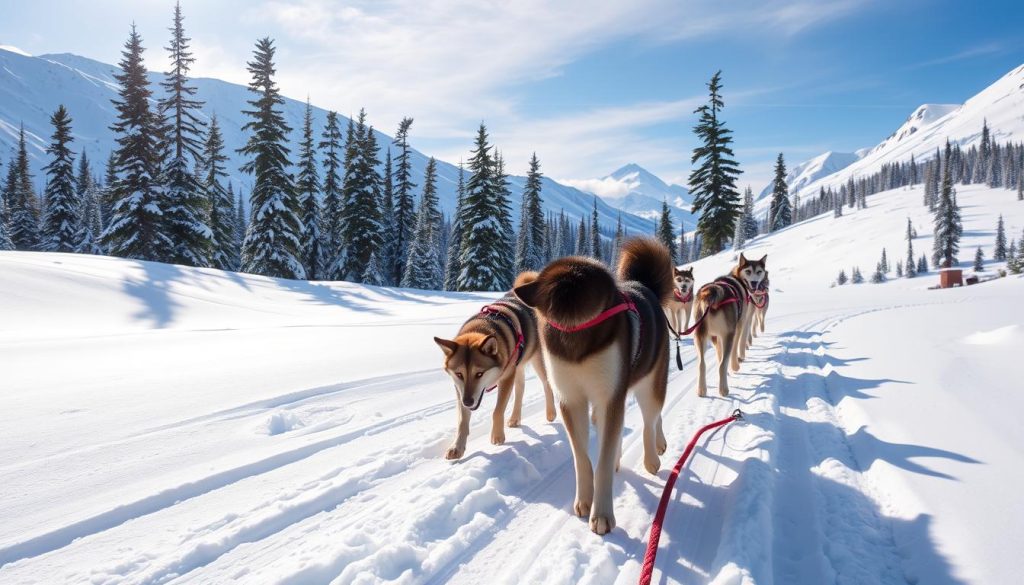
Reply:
x=659, y=517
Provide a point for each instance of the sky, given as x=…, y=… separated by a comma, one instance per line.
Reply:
x=589, y=86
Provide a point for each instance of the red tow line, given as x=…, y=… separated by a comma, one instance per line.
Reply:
x=659, y=517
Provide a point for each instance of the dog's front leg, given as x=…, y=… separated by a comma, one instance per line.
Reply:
x=458, y=447
x=517, y=404
x=577, y=426
x=498, y=419
x=602, y=515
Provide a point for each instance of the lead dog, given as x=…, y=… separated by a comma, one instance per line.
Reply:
x=759, y=297
x=601, y=338
x=680, y=303
x=491, y=350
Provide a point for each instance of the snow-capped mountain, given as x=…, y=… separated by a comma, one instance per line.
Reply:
x=930, y=125
x=636, y=190
x=31, y=88
x=811, y=170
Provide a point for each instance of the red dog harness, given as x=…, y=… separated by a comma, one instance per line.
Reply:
x=626, y=305
x=688, y=298
x=516, y=358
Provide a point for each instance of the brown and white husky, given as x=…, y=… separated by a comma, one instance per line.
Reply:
x=751, y=274
x=601, y=337
x=759, y=298
x=680, y=303
x=491, y=351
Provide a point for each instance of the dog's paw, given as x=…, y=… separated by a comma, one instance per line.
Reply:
x=723, y=391
x=498, y=436
x=581, y=507
x=550, y=414
x=602, y=524
x=702, y=392
x=513, y=422
x=652, y=463
x=662, y=445
x=454, y=452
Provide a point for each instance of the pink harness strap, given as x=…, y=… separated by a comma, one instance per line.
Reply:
x=626, y=305
x=688, y=298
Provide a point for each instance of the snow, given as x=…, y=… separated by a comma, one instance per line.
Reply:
x=168, y=424
x=807, y=172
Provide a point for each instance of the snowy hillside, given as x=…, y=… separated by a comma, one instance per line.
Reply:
x=807, y=172
x=165, y=424
x=31, y=88
x=636, y=190
x=928, y=127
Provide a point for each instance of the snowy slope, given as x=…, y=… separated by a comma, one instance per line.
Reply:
x=807, y=172
x=164, y=424
x=31, y=88
x=928, y=127
x=636, y=190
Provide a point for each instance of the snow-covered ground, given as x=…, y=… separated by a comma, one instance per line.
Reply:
x=163, y=424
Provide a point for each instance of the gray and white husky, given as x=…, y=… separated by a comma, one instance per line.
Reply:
x=680, y=303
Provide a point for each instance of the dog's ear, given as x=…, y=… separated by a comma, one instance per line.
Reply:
x=490, y=346
x=677, y=271
x=763, y=258
x=447, y=346
x=527, y=293
x=743, y=259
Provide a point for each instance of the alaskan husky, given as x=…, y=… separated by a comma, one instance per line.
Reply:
x=601, y=337
x=491, y=351
x=679, y=304
x=750, y=273
x=759, y=298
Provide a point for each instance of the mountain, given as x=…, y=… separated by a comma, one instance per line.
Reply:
x=636, y=190
x=807, y=172
x=930, y=125
x=31, y=88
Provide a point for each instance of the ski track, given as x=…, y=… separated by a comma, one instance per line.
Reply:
x=502, y=514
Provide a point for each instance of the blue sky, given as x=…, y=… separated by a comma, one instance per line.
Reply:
x=588, y=85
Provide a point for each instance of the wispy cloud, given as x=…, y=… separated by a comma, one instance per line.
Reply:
x=990, y=48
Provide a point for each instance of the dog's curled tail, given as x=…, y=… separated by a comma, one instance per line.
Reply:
x=525, y=277
x=710, y=295
x=647, y=261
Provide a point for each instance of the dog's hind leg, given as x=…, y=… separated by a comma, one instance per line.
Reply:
x=650, y=410
x=726, y=355
x=699, y=343
x=498, y=419
x=549, y=395
x=517, y=405
x=577, y=426
x=610, y=421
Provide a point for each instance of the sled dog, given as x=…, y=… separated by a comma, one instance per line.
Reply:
x=679, y=304
x=750, y=273
x=491, y=351
x=600, y=338
x=759, y=298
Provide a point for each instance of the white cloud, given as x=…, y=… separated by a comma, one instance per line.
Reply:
x=606, y=188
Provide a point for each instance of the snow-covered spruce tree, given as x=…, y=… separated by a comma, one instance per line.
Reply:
x=582, y=241
x=665, y=231
x=780, y=214
x=185, y=207
x=613, y=259
x=842, y=279
x=595, y=235
x=503, y=190
x=404, y=214
x=899, y=269
x=947, y=219
x=684, y=247
x=922, y=264
x=1020, y=190
x=485, y=262
x=108, y=192
x=911, y=270
x=331, y=147
x=423, y=268
x=883, y=264
x=856, y=277
x=373, y=274
x=837, y=206
x=222, y=215
x=979, y=260
x=878, y=276
x=90, y=224
x=137, y=228
x=713, y=181
x=271, y=246
x=241, y=222
x=63, y=209
x=361, y=222
x=389, y=253
x=999, y=254
x=531, y=240
x=307, y=187
x=452, y=267
x=5, y=236
x=22, y=204
x=750, y=222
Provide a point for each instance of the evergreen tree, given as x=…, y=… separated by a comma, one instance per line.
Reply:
x=856, y=277
x=373, y=274
x=307, y=185
x=979, y=260
x=5, y=236
x=333, y=208
x=780, y=214
x=595, y=235
x=362, y=231
x=405, y=219
x=899, y=269
x=617, y=242
x=947, y=219
x=184, y=206
x=562, y=241
x=666, y=231
x=1020, y=189
x=883, y=264
x=241, y=222
x=999, y=254
x=137, y=228
x=582, y=241
x=911, y=269
x=842, y=279
x=423, y=269
x=684, y=249
x=713, y=182
x=837, y=206
x=272, y=246
x=531, y=239
x=63, y=209
x=108, y=194
x=222, y=216
x=878, y=276
x=452, y=267
x=739, y=238
x=390, y=254
x=485, y=262
x=90, y=223
x=22, y=204
x=922, y=264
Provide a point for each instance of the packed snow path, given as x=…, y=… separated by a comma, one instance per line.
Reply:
x=306, y=446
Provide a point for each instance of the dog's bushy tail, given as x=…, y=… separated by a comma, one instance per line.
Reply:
x=525, y=277
x=710, y=295
x=647, y=261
